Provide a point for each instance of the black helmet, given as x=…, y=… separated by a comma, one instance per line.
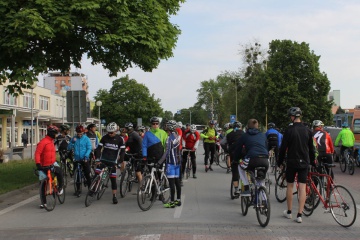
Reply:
x=91, y=125
x=129, y=126
x=294, y=111
x=271, y=125
x=52, y=131
x=64, y=127
x=212, y=122
x=237, y=124
x=154, y=119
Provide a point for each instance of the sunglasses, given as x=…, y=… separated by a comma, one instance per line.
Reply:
x=111, y=133
x=155, y=123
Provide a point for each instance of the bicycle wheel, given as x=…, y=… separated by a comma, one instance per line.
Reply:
x=342, y=163
x=77, y=181
x=47, y=196
x=64, y=172
x=280, y=188
x=223, y=160
x=245, y=202
x=351, y=165
x=357, y=161
x=272, y=164
x=146, y=194
x=188, y=168
x=104, y=186
x=309, y=205
x=320, y=187
x=267, y=183
x=263, y=209
x=124, y=183
x=342, y=206
x=61, y=197
x=165, y=190
x=90, y=196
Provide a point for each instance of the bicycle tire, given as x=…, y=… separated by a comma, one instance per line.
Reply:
x=245, y=205
x=77, y=181
x=272, y=164
x=61, y=197
x=145, y=194
x=357, y=161
x=351, y=165
x=188, y=168
x=263, y=208
x=124, y=183
x=311, y=195
x=104, y=186
x=64, y=173
x=280, y=188
x=341, y=210
x=165, y=190
x=223, y=160
x=320, y=188
x=90, y=196
x=342, y=163
x=268, y=183
x=48, y=200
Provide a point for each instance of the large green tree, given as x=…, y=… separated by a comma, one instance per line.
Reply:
x=293, y=78
x=127, y=101
x=45, y=35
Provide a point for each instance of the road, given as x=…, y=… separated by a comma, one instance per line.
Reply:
x=207, y=213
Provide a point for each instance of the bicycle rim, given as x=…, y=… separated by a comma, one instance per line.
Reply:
x=232, y=190
x=77, y=181
x=263, y=209
x=50, y=198
x=351, y=166
x=223, y=160
x=280, y=188
x=90, y=196
x=124, y=183
x=342, y=164
x=309, y=205
x=145, y=195
x=267, y=183
x=165, y=190
x=244, y=205
x=320, y=188
x=342, y=206
x=61, y=197
x=104, y=185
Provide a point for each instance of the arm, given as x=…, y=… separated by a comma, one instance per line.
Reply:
x=88, y=147
x=338, y=138
x=330, y=143
x=39, y=150
x=283, y=148
x=197, y=140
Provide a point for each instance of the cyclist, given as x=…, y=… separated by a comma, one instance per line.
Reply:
x=134, y=144
x=256, y=154
x=209, y=136
x=45, y=156
x=98, y=135
x=324, y=144
x=298, y=145
x=224, y=144
x=173, y=162
x=62, y=142
x=111, y=147
x=232, y=137
x=154, y=141
x=91, y=134
x=81, y=145
x=274, y=138
x=347, y=139
x=190, y=141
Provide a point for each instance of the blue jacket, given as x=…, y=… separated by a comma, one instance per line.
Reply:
x=255, y=144
x=274, y=131
x=82, y=147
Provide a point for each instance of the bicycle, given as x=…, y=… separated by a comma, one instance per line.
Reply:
x=347, y=161
x=49, y=188
x=151, y=187
x=79, y=178
x=98, y=185
x=220, y=158
x=65, y=165
x=188, y=166
x=337, y=199
x=272, y=161
x=128, y=176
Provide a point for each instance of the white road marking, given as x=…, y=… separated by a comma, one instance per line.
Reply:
x=148, y=237
x=20, y=204
x=178, y=210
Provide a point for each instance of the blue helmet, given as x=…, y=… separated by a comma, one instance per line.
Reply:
x=345, y=125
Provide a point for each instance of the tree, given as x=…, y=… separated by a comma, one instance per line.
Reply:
x=42, y=35
x=126, y=101
x=340, y=110
x=293, y=78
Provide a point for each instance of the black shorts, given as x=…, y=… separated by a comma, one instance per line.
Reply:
x=301, y=174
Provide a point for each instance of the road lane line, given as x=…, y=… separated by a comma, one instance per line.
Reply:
x=148, y=237
x=178, y=210
x=20, y=204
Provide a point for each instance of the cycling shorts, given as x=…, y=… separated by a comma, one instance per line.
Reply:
x=173, y=171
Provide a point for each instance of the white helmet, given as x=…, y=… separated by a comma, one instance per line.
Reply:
x=317, y=123
x=192, y=128
x=112, y=127
x=179, y=124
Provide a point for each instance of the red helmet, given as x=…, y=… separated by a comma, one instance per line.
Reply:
x=80, y=129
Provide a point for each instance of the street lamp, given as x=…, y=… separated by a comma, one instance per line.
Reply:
x=32, y=117
x=63, y=95
x=99, y=103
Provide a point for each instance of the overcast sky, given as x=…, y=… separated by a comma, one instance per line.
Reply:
x=213, y=30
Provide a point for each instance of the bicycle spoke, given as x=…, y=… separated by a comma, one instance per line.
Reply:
x=342, y=206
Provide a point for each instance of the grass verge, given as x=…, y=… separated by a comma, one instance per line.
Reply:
x=16, y=174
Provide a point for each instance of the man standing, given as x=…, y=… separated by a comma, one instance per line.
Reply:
x=24, y=138
x=298, y=145
x=153, y=144
x=209, y=136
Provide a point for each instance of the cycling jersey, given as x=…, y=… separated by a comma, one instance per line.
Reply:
x=171, y=154
x=190, y=140
x=180, y=133
x=232, y=137
x=209, y=135
x=274, y=137
x=62, y=141
x=347, y=138
x=153, y=143
x=254, y=142
x=134, y=142
x=323, y=140
x=110, y=148
x=93, y=138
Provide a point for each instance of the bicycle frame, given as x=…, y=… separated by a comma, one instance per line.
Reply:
x=153, y=178
x=330, y=184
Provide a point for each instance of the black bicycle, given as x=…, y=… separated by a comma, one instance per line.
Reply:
x=128, y=176
x=79, y=178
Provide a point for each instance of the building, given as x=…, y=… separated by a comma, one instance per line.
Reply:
x=335, y=97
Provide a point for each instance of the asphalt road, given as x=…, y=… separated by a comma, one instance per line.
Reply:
x=207, y=213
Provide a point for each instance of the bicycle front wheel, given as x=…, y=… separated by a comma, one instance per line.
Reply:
x=77, y=181
x=124, y=183
x=351, y=165
x=188, y=168
x=64, y=172
x=47, y=195
x=61, y=197
x=263, y=209
x=309, y=200
x=104, y=184
x=280, y=188
x=165, y=190
x=245, y=202
x=223, y=160
x=342, y=163
x=90, y=196
x=342, y=206
x=146, y=194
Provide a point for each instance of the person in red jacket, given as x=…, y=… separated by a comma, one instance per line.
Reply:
x=190, y=141
x=45, y=155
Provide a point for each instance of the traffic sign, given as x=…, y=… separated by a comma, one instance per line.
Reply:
x=76, y=106
x=232, y=118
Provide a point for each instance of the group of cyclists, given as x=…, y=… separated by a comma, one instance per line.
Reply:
x=299, y=145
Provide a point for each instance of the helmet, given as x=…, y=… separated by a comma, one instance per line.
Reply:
x=237, y=124
x=129, y=126
x=188, y=124
x=344, y=125
x=64, y=127
x=154, y=119
x=80, y=129
x=271, y=125
x=112, y=127
x=294, y=111
x=192, y=128
x=171, y=125
x=317, y=123
x=140, y=129
x=179, y=124
x=212, y=122
x=52, y=129
x=91, y=125
x=226, y=126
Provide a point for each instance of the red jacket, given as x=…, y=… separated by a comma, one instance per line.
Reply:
x=179, y=131
x=190, y=140
x=45, y=153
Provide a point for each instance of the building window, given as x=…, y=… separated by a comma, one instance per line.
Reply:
x=27, y=99
x=43, y=103
x=9, y=99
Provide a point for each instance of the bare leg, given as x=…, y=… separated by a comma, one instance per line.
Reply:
x=289, y=195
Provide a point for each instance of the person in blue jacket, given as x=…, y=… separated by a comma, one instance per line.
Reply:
x=81, y=145
x=274, y=139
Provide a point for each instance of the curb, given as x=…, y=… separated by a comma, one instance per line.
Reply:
x=18, y=191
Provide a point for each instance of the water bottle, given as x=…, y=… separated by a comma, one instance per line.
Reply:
x=104, y=175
